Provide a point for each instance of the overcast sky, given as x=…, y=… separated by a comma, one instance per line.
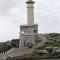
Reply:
x=13, y=14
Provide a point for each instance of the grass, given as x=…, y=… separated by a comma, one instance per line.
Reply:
x=54, y=44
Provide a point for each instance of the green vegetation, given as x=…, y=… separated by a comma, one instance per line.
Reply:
x=53, y=40
x=54, y=44
x=5, y=46
x=15, y=43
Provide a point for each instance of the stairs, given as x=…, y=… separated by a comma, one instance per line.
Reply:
x=15, y=52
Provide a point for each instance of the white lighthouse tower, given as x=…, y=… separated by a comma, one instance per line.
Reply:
x=30, y=12
x=29, y=31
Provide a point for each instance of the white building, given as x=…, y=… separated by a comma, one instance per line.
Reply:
x=29, y=32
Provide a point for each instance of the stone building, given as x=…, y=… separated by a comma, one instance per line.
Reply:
x=29, y=32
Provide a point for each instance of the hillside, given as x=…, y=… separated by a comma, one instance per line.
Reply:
x=53, y=40
x=5, y=46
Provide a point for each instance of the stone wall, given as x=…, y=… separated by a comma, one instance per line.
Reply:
x=27, y=40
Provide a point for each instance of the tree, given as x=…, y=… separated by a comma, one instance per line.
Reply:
x=15, y=43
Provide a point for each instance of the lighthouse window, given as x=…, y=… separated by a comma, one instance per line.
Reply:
x=34, y=31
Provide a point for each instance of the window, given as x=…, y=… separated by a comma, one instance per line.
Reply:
x=35, y=31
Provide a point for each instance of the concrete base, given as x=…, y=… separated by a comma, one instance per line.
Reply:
x=28, y=35
x=26, y=40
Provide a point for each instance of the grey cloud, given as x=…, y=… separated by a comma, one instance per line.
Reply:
x=5, y=5
x=13, y=14
x=48, y=15
x=54, y=4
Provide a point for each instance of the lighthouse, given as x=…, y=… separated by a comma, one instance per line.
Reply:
x=29, y=31
x=30, y=12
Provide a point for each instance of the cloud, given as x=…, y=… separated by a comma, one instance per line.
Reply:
x=47, y=14
x=5, y=5
x=17, y=16
x=13, y=14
